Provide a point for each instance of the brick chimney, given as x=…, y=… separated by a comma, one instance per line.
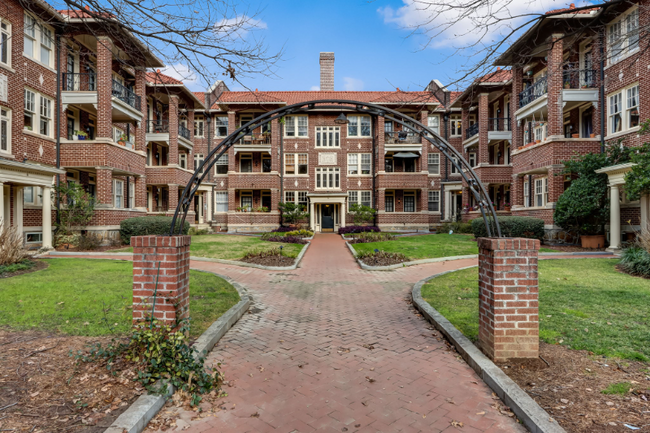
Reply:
x=327, y=71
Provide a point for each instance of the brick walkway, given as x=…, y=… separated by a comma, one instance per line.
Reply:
x=301, y=360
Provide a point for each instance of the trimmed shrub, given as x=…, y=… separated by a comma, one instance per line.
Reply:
x=150, y=225
x=636, y=261
x=512, y=227
x=457, y=227
x=284, y=230
x=358, y=229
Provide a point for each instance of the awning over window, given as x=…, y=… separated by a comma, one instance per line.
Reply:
x=405, y=155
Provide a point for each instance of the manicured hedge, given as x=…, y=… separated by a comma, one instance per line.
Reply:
x=512, y=227
x=636, y=261
x=358, y=229
x=150, y=225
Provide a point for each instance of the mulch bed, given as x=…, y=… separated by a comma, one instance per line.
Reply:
x=570, y=389
x=270, y=261
x=382, y=261
x=572, y=249
x=39, y=265
x=41, y=390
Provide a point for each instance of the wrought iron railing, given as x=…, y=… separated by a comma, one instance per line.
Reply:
x=79, y=82
x=471, y=131
x=580, y=78
x=256, y=139
x=401, y=137
x=538, y=89
x=499, y=124
x=126, y=95
x=157, y=127
x=183, y=131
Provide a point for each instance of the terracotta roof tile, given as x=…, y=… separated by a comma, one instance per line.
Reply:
x=200, y=96
x=83, y=14
x=294, y=97
x=158, y=78
x=571, y=7
x=498, y=76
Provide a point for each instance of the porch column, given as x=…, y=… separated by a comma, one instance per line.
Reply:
x=104, y=126
x=342, y=222
x=2, y=206
x=209, y=196
x=614, y=219
x=47, y=217
x=645, y=204
x=311, y=216
x=18, y=209
x=172, y=198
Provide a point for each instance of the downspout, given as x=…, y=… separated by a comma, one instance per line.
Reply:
x=374, y=170
x=602, y=93
x=281, y=127
x=208, y=124
x=58, y=123
x=445, y=120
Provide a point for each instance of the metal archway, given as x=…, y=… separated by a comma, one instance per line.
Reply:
x=456, y=158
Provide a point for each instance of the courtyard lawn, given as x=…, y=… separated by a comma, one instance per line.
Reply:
x=93, y=297
x=425, y=246
x=585, y=304
x=230, y=247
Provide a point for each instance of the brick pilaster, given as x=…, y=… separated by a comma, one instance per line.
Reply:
x=517, y=87
x=380, y=161
x=141, y=91
x=173, y=197
x=508, y=298
x=424, y=158
x=105, y=186
x=232, y=126
x=517, y=191
x=275, y=146
x=555, y=74
x=173, y=130
x=555, y=183
x=172, y=255
x=483, y=110
x=141, y=192
x=104, y=87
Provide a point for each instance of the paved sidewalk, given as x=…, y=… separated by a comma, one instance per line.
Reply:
x=329, y=347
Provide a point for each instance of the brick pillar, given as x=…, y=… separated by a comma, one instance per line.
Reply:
x=105, y=186
x=508, y=298
x=517, y=87
x=381, y=199
x=483, y=110
x=275, y=146
x=424, y=200
x=555, y=183
x=141, y=192
x=172, y=158
x=172, y=254
x=555, y=74
x=424, y=158
x=275, y=199
x=232, y=126
x=173, y=198
x=380, y=161
x=141, y=91
x=517, y=191
x=104, y=87
x=464, y=125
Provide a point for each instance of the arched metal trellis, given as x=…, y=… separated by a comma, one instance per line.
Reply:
x=469, y=176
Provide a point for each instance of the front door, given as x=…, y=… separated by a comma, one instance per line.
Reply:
x=327, y=217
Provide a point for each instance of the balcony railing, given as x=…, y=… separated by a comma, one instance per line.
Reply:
x=580, y=78
x=256, y=139
x=538, y=89
x=499, y=124
x=126, y=95
x=76, y=82
x=162, y=208
x=157, y=127
x=471, y=131
x=183, y=132
x=401, y=137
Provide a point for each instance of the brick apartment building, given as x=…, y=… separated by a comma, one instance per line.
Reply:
x=143, y=132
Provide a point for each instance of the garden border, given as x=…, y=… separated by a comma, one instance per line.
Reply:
x=138, y=415
x=536, y=419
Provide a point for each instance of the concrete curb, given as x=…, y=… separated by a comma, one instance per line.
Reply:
x=536, y=419
x=85, y=253
x=138, y=415
x=596, y=253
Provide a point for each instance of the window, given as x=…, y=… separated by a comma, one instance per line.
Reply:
x=526, y=194
x=359, y=126
x=5, y=42
x=221, y=166
x=28, y=195
x=409, y=165
x=198, y=160
x=295, y=163
x=118, y=193
x=623, y=111
x=33, y=238
x=434, y=201
x=541, y=191
x=433, y=163
x=38, y=116
x=5, y=130
x=46, y=116
x=295, y=126
x=117, y=134
x=456, y=125
x=290, y=196
x=362, y=198
x=615, y=117
x=328, y=136
x=359, y=163
x=409, y=201
x=266, y=163
x=182, y=160
x=454, y=169
x=389, y=199
x=433, y=122
x=246, y=200
x=623, y=36
x=327, y=178
x=246, y=163
x=472, y=159
x=30, y=109
x=389, y=166
x=198, y=126
x=353, y=198
x=388, y=126
x=632, y=107
x=222, y=201
x=266, y=199
x=37, y=41
x=221, y=126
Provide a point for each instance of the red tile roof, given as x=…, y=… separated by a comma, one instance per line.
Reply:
x=83, y=14
x=498, y=76
x=158, y=78
x=294, y=97
x=571, y=7
x=200, y=96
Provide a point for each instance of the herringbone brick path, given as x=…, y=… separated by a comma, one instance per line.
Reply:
x=332, y=348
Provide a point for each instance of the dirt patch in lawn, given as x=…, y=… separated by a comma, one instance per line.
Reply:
x=571, y=389
x=38, y=265
x=270, y=260
x=99, y=249
x=42, y=391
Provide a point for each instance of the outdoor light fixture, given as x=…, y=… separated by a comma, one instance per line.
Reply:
x=376, y=250
x=341, y=120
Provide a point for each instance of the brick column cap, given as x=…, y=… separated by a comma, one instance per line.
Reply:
x=161, y=241
x=508, y=244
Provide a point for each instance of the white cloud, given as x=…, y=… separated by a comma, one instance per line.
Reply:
x=350, y=83
x=314, y=88
x=185, y=74
x=238, y=27
x=455, y=25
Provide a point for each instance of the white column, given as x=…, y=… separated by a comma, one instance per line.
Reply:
x=645, y=205
x=614, y=219
x=2, y=206
x=311, y=216
x=18, y=209
x=210, y=197
x=6, y=206
x=342, y=222
x=47, y=217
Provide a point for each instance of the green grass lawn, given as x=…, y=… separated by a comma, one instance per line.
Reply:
x=93, y=297
x=585, y=304
x=425, y=246
x=229, y=247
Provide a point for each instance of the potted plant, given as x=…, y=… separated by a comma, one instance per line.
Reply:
x=27, y=127
x=81, y=135
x=575, y=135
x=506, y=206
x=538, y=141
x=592, y=135
x=122, y=140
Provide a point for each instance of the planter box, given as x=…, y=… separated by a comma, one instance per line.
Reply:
x=592, y=241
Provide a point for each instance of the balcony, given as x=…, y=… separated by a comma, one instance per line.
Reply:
x=158, y=131
x=471, y=131
x=80, y=89
x=499, y=128
x=401, y=137
x=254, y=143
x=102, y=152
x=536, y=91
x=167, y=175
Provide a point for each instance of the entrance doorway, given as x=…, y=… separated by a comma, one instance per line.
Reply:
x=327, y=217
